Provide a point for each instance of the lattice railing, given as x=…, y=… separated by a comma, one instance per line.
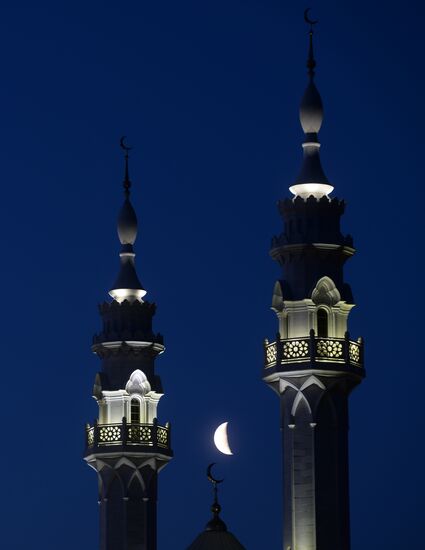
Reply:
x=146, y=435
x=313, y=349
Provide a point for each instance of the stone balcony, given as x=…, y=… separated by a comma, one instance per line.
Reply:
x=313, y=352
x=140, y=438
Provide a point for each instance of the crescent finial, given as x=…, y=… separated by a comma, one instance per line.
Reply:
x=124, y=146
x=307, y=19
x=211, y=477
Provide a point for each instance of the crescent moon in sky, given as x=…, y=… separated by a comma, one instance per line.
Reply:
x=210, y=476
x=221, y=439
x=307, y=18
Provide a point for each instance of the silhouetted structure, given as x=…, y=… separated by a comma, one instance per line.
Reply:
x=313, y=365
x=126, y=445
x=215, y=536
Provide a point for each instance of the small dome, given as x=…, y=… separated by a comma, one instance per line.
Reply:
x=138, y=383
x=216, y=536
x=311, y=110
x=127, y=223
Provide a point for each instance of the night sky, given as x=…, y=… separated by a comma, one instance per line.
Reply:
x=208, y=94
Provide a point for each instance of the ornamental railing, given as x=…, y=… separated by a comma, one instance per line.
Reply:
x=313, y=349
x=151, y=436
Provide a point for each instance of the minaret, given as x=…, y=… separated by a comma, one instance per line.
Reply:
x=314, y=364
x=126, y=445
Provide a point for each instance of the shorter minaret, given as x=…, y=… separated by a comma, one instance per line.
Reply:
x=126, y=445
x=215, y=536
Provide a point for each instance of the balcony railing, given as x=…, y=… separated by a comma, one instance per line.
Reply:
x=313, y=350
x=152, y=436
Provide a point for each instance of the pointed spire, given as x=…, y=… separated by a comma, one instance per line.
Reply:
x=127, y=286
x=216, y=523
x=215, y=536
x=311, y=62
x=311, y=180
x=126, y=182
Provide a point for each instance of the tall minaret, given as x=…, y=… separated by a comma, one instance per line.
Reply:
x=126, y=445
x=313, y=365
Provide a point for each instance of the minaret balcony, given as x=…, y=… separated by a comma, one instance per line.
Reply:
x=314, y=352
x=140, y=438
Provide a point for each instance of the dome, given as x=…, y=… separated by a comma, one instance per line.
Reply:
x=127, y=223
x=138, y=383
x=216, y=540
x=216, y=536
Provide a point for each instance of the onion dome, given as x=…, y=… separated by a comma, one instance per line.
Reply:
x=215, y=536
x=138, y=383
x=311, y=180
x=127, y=286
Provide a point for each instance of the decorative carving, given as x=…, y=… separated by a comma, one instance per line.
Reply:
x=329, y=348
x=271, y=353
x=295, y=349
x=109, y=434
x=90, y=437
x=140, y=434
x=354, y=351
x=162, y=437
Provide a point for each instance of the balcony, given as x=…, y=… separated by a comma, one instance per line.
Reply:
x=314, y=352
x=144, y=438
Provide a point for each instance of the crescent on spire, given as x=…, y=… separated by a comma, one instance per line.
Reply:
x=211, y=477
x=124, y=146
x=307, y=19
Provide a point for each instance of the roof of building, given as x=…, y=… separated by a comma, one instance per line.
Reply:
x=216, y=540
x=215, y=536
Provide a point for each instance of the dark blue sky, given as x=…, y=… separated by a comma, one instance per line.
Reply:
x=208, y=94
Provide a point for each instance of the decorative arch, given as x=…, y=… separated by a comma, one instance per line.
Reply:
x=135, y=409
x=322, y=322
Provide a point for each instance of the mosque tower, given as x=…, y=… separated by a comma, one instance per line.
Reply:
x=126, y=445
x=314, y=364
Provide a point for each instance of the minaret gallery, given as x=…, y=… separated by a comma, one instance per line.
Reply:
x=314, y=364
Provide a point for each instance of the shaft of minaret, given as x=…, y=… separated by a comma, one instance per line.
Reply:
x=126, y=445
x=314, y=364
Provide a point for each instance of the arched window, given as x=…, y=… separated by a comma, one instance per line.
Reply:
x=135, y=411
x=322, y=323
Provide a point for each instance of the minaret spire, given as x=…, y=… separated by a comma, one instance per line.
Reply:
x=311, y=62
x=215, y=534
x=127, y=285
x=311, y=180
x=126, y=182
